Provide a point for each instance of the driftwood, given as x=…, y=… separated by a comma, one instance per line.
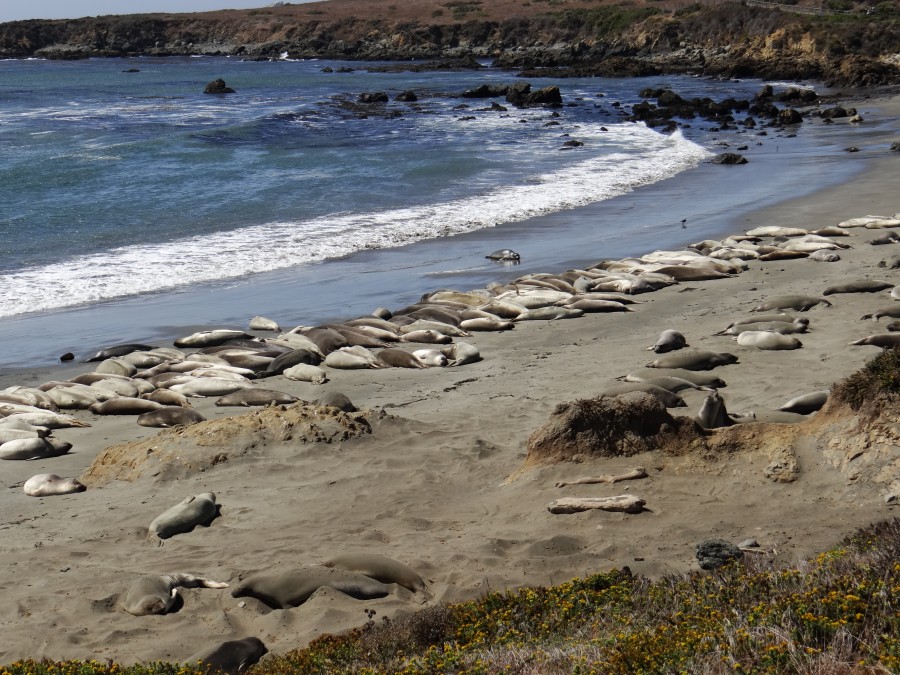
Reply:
x=626, y=503
x=631, y=474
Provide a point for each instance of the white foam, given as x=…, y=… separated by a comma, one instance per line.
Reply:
x=152, y=268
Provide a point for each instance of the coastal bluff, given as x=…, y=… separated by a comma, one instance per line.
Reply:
x=853, y=46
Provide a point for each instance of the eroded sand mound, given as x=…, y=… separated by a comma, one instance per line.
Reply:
x=182, y=451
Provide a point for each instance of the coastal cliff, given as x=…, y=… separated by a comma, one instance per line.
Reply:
x=854, y=46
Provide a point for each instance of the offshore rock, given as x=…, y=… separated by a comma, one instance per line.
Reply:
x=218, y=87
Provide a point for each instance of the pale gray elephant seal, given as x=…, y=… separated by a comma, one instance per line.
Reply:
x=255, y=396
x=170, y=416
x=231, y=657
x=157, y=594
x=125, y=405
x=806, y=404
x=668, y=341
x=800, y=303
x=280, y=590
x=380, y=568
x=858, y=286
x=33, y=448
x=47, y=484
x=461, y=353
x=183, y=517
x=698, y=360
x=768, y=340
x=883, y=340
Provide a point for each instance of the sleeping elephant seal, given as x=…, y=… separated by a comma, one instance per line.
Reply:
x=281, y=590
x=398, y=358
x=806, y=404
x=666, y=397
x=33, y=448
x=157, y=594
x=893, y=312
x=47, y=484
x=695, y=377
x=698, y=360
x=800, y=303
x=231, y=657
x=183, y=517
x=254, y=396
x=768, y=340
x=858, y=286
x=118, y=350
x=170, y=416
x=883, y=340
x=380, y=568
x=461, y=353
x=125, y=405
x=303, y=372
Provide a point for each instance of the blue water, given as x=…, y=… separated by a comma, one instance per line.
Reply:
x=132, y=204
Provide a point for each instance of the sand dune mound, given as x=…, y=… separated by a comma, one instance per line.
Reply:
x=182, y=451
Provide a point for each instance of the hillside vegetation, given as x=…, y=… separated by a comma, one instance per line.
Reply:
x=848, y=44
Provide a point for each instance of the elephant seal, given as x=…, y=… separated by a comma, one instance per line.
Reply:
x=697, y=378
x=170, y=416
x=292, y=358
x=167, y=397
x=118, y=350
x=667, y=398
x=805, y=404
x=304, y=372
x=430, y=357
x=858, y=286
x=344, y=359
x=768, y=340
x=698, y=360
x=255, y=396
x=200, y=387
x=887, y=238
x=482, y=324
x=893, y=312
x=461, y=353
x=883, y=340
x=713, y=414
x=335, y=399
x=125, y=406
x=47, y=484
x=783, y=327
x=800, y=303
x=823, y=255
x=596, y=306
x=157, y=594
x=281, y=590
x=429, y=337
x=231, y=657
x=504, y=255
x=380, y=568
x=262, y=323
x=185, y=516
x=688, y=273
x=211, y=338
x=668, y=341
x=891, y=263
x=33, y=448
x=550, y=314
x=397, y=358
x=893, y=326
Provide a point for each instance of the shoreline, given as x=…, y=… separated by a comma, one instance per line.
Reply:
x=440, y=485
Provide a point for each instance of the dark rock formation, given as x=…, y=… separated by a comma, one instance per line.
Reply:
x=729, y=158
x=713, y=553
x=373, y=97
x=217, y=87
x=406, y=97
x=789, y=116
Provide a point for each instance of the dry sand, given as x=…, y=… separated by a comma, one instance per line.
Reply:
x=439, y=484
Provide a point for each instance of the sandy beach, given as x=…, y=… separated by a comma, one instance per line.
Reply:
x=438, y=479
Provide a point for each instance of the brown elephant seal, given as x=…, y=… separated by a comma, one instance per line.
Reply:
x=595, y=306
x=380, y=568
x=774, y=256
x=157, y=594
x=186, y=515
x=125, y=405
x=713, y=414
x=167, y=397
x=429, y=337
x=335, y=399
x=398, y=358
x=890, y=263
x=256, y=396
x=666, y=397
x=211, y=338
x=768, y=340
x=783, y=327
x=118, y=350
x=47, y=484
x=806, y=404
x=883, y=340
x=893, y=326
x=688, y=273
x=170, y=416
x=281, y=590
x=673, y=384
x=231, y=657
x=858, y=286
x=800, y=303
x=485, y=324
x=697, y=360
x=668, y=341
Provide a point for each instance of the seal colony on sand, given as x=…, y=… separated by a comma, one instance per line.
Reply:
x=320, y=471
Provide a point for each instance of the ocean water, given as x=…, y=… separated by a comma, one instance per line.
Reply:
x=133, y=206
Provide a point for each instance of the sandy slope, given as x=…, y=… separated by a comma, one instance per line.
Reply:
x=438, y=483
